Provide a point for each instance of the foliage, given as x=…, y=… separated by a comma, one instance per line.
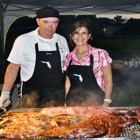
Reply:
x=119, y=20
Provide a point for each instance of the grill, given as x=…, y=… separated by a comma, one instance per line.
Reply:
x=129, y=132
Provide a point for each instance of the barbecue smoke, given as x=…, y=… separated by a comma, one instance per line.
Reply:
x=33, y=100
x=30, y=100
x=126, y=92
x=126, y=89
x=85, y=98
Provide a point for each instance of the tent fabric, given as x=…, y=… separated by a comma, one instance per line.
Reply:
x=16, y=8
x=12, y=9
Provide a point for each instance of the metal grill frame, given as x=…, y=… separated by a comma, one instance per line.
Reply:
x=127, y=132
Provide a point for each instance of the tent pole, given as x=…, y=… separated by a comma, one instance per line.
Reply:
x=2, y=36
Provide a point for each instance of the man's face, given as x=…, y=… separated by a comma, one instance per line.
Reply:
x=47, y=26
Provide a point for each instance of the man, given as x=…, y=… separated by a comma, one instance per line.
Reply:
x=39, y=56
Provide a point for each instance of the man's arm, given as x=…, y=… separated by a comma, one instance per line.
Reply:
x=10, y=76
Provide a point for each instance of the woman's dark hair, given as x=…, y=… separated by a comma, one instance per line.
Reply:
x=76, y=25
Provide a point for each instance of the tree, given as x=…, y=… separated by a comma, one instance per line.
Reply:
x=119, y=20
x=133, y=22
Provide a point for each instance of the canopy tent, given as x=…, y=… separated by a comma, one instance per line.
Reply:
x=12, y=9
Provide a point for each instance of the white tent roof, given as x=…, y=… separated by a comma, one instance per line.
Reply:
x=20, y=7
x=16, y=8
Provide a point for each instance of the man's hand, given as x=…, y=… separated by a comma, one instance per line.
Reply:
x=4, y=100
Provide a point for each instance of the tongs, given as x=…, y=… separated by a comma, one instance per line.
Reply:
x=5, y=104
x=137, y=133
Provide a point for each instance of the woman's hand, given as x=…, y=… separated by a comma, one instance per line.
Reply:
x=105, y=104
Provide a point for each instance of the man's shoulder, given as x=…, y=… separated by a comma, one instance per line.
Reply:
x=58, y=36
x=27, y=36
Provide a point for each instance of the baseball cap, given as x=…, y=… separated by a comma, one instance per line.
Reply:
x=48, y=11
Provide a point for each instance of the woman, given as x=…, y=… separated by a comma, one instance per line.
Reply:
x=88, y=70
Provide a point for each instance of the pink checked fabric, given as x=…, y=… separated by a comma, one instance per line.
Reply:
x=100, y=60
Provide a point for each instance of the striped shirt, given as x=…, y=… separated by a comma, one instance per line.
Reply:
x=100, y=60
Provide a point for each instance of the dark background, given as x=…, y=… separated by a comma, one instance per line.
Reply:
x=124, y=35
x=120, y=37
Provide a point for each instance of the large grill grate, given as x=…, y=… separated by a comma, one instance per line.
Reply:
x=127, y=133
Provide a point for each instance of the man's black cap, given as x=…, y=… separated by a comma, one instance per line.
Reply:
x=45, y=12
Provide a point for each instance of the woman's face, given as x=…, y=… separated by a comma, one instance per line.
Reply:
x=80, y=36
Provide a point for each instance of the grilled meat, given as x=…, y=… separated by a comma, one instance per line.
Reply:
x=63, y=122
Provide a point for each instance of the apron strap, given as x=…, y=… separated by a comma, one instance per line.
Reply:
x=36, y=47
x=70, y=62
x=57, y=48
x=91, y=60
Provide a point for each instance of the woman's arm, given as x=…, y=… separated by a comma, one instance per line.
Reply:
x=107, y=73
x=67, y=85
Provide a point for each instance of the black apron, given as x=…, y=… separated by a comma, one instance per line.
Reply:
x=46, y=86
x=84, y=90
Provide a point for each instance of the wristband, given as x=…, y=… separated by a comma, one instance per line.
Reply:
x=8, y=93
x=108, y=100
